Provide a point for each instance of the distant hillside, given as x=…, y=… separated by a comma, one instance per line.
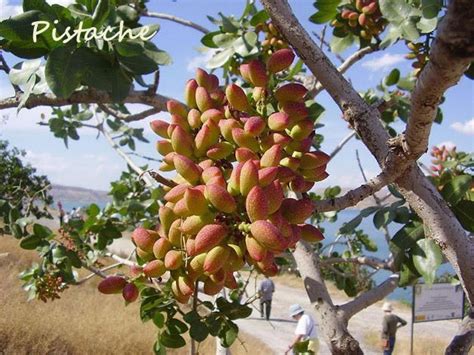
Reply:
x=71, y=196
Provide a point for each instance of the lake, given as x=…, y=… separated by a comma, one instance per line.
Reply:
x=382, y=252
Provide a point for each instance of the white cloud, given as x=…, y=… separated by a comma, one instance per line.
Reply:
x=464, y=127
x=383, y=62
x=8, y=10
x=199, y=61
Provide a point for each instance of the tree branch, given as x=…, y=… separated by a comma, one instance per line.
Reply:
x=128, y=117
x=317, y=87
x=176, y=19
x=450, y=56
x=353, y=197
x=87, y=96
x=6, y=68
x=464, y=339
x=370, y=297
x=344, y=141
x=334, y=331
x=373, y=262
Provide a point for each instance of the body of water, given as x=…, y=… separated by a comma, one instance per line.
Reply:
x=377, y=236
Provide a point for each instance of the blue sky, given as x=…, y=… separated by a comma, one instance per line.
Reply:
x=91, y=163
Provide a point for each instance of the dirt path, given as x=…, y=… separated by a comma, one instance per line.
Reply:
x=278, y=332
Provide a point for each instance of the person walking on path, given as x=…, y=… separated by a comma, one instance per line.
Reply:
x=265, y=292
x=305, y=341
x=390, y=324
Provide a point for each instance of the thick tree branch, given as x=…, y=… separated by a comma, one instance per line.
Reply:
x=370, y=297
x=317, y=87
x=353, y=197
x=450, y=56
x=128, y=117
x=176, y=19
x=464, y=339
x=88, y=96
x=334, y=330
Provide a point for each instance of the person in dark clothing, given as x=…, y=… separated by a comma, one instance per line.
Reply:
x=61, y=213
x=265, y=291
x=390, y=324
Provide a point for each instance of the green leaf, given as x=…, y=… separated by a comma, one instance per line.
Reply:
x=19, y=28
x=407, y=236
x=427, y=258
x=327, y=10
x=175, y=326
x=383, y=217
x=22, y=72
x=229, y=335
x=464, y=213
x=246, y=45
x=338, y=44
x=229, y=24
x=260, y=17
x=393, y=34
x=139, y=64
x=63, y=71
x=147, y=30
x=208, y=39
x=41, y=231
x=349, y=227
x=159, y=319
x=409, y=30
x=93, y=210
x=396, y=11
x=430, y=8
x=101, y=13
x=221, y=58
x=427, y=25
x=159, y=56
x=224, y=40
x=198, y=331
x=392, y=78
x=173, y=341
x=30, y=242
x=455, y=189
x=408, y=273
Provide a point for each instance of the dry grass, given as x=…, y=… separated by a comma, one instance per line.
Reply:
x=81, y=322
x=422, y=345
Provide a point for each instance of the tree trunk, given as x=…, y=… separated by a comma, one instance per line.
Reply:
x=330, y=319
x=464, y=340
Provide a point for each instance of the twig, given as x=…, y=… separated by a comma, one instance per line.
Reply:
x=95, y=273
x=128, y=117
x=176, y=19
x=386, y=232
x=328, y=46
x=143, y=156
x=6, y=68
x=344, y=141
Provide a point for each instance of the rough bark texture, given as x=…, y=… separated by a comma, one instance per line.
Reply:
x=464, y=340
x=451, y=54
x=332, y=324
x=89, y=96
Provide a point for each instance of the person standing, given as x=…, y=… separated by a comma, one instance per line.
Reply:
x=306, y=340
x=265, y=292
x=61, y=213
x=390, y=324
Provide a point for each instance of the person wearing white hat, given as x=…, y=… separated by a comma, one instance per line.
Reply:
x=306, y=340
x=390, y=324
